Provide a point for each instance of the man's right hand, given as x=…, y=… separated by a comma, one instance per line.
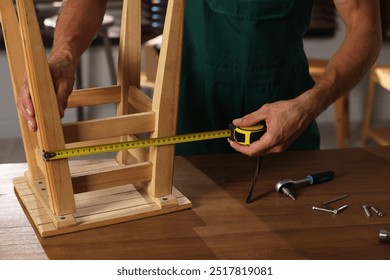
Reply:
x=63, y=76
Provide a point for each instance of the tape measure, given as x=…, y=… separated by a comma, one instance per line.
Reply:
x=242, y=135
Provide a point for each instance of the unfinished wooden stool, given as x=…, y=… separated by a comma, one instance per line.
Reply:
x=63, y=196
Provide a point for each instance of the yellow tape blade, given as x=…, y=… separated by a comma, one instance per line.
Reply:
x=115, y=147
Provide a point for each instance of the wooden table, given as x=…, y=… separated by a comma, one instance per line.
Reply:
x=221, y=225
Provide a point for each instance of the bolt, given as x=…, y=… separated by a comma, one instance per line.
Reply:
x=341, y=208
x=365, y=208
x=379, y=213
x=334, y=211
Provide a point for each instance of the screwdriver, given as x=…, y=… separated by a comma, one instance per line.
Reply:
x=284, y=186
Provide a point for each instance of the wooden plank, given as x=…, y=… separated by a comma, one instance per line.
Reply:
x=131, y=201
x=140, y=211
x=94, y=96
x=50, y=135
x=93, y=142
x=129, y=59
x=85, y=203
x=81, y=167
x=165, y=98
x=109, y=127
x=108, y=178
x=13, y=43
x=136, y=155
x=97, y=194
x=139, y=100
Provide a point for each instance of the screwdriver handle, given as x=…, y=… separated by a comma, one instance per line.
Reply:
x=320, y=177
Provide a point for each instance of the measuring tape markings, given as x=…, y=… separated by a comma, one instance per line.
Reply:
x=242, y=135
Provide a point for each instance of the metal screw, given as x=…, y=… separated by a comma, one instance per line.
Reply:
x=336, y=199
x=334, y=211
x=341, y=208
x=379, y=213
x=365, y=208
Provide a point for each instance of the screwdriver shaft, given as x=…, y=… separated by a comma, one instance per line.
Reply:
x=287, y=192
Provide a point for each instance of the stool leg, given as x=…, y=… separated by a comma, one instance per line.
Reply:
x=13, y=43
x=50, y=133
x=79, y=85
x=165, y=99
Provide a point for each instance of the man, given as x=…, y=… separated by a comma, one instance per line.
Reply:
x=243, y=62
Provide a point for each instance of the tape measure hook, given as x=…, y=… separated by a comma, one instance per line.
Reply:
x=48, y=155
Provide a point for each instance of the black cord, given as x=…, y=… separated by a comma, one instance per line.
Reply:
x=257, y=171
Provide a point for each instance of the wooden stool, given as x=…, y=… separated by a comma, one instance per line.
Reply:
x=316, y=69
x=63, y=196
x=380, y=75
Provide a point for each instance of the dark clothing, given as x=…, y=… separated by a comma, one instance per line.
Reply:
x=237, y=56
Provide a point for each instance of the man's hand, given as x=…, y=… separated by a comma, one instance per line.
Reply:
x=63, y=75
x=285, y=121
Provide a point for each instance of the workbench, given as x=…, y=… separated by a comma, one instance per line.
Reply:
x=221, y=225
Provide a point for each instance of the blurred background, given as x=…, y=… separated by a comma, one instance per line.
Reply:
x=98, y=68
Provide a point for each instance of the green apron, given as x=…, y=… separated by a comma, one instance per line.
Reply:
x=237, y=56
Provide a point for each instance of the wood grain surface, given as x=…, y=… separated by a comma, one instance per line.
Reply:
x=221, y=225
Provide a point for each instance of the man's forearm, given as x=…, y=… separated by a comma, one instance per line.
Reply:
x=77, y=24
x=358, y=52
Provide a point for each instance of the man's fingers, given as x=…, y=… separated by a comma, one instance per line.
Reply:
x=257, y=148
x=25, y=107
x=252, y=118
x=29, y=114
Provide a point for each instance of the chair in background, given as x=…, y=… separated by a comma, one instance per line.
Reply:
x=380, y=75
x=316, y=69
x=323, y=25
